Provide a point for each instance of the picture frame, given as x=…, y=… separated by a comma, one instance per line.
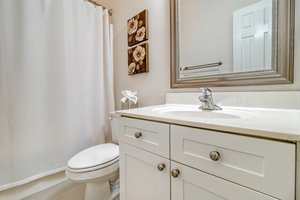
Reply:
x=137, y=28
x=138, y=59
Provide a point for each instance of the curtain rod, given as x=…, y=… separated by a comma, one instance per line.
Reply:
x=110, y=11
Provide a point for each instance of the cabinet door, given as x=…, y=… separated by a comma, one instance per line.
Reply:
x=141, y=178
x=192, y=184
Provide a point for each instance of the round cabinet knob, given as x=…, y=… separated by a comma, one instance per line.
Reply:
x=161, y=166
x=214, y=155
x=175, y=173
x=138, y=135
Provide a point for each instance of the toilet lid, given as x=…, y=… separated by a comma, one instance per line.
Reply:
x=94, y=156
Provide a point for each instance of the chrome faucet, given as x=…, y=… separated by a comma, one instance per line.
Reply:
x=207, y=100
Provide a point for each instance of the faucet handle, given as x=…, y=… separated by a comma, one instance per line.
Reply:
x=206, y=92
x=207, y=100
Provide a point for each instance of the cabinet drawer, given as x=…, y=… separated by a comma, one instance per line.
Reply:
x=264, y=165
x=150, y=136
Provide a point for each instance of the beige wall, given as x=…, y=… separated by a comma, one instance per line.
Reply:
x=153, y=86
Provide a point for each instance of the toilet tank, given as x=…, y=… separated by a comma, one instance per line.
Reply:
x=115, y=126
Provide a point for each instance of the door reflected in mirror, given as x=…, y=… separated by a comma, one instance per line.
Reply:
x=232, y=38
x=220, y=40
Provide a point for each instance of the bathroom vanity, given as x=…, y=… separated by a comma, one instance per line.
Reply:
x=178, y=152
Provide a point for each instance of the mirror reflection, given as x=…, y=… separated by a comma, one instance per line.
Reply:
x=217, y=37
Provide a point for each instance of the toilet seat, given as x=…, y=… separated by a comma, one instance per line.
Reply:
x=94, y=157
x=105, y=173
x=97, y=162
x=97, y=167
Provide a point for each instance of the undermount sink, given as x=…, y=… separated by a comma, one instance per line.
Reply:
x=193, y=111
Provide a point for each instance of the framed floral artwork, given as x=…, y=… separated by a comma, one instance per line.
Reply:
x=137, y=28
x=138, y=61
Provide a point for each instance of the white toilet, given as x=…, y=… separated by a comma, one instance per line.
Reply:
x=97, y=166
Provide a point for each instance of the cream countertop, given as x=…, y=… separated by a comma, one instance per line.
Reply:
x=279, y=124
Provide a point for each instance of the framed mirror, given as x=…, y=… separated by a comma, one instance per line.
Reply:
x=231, y=42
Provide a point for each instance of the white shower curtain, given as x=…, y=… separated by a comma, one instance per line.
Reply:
x=56, y=85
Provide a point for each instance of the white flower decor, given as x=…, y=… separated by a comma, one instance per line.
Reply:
x=131, y=68
x=132, y=26
x=140, y=35
x=139, y=53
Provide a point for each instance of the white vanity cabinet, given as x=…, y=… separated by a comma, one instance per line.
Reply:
x=145, y=175
x=202, y=164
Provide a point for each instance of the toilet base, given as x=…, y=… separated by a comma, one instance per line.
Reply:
x=98, y=190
